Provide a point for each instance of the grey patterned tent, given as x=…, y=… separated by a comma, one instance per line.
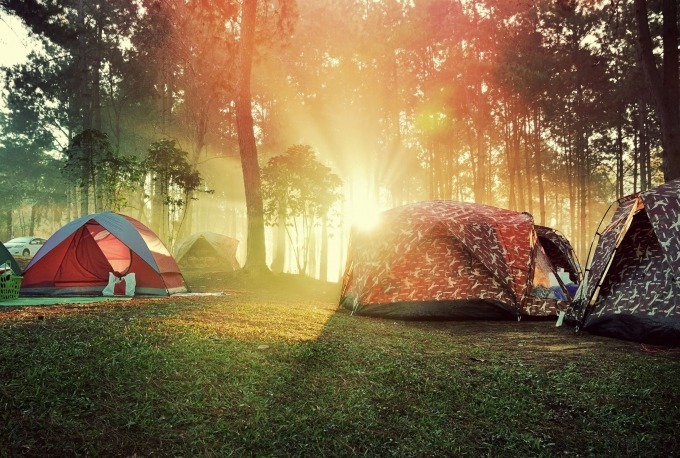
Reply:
x=631, y=289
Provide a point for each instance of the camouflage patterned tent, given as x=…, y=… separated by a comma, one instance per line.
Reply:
x=632, y=287
x=451, y=260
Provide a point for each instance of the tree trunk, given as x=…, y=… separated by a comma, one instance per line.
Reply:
x=619, y=156
x=95, y=91
x=527, y=158
x=256, y=254
x=572, y=192
x=665, y=85
x=190, y=214
x=84, y=201
x=310, y=255
x=83, y=70
x=34, y=217
x=156, y=218
x=85, y=113
x=280, y=257
x=538, y=160
x=432, y=168
x=480, y=183
x=9, y=225
x=636, y=159
x=517, y=166
x=644, y=156
x=509, y=158
x=323, y=258
x=95, y=108
x=582, y=151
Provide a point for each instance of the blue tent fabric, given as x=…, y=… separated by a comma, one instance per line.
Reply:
x=126, y=233
x=112, y=222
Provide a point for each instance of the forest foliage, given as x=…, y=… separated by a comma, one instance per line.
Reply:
x=535, y=106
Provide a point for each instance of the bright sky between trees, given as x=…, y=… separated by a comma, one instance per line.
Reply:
x=14, y=41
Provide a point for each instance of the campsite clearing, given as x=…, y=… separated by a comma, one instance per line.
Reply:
x=279, y=369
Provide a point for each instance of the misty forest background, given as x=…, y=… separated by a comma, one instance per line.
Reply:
x=133, y=105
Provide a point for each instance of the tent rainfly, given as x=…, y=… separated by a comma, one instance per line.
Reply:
x=451, y=260
x=631, y=289
x=78, y=258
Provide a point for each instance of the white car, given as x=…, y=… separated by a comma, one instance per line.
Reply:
x=24, y=246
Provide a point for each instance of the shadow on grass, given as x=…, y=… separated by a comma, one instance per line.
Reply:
x=280, y=370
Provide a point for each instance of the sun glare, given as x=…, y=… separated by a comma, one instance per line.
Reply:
x=364, y=214
x=363, y=211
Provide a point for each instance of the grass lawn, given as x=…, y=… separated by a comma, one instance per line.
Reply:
x=280, y=371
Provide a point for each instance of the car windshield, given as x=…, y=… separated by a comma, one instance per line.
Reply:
x=20, y=240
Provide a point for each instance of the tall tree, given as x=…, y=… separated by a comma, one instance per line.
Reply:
x=84, y=41
x=256, y=251
x=176, y=180
x=86, y=157
x=30, y=179
x=663, y=83
x=299, y=192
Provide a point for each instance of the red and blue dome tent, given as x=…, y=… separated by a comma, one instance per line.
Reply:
x=78, y=258
x=451, y=260
x=631, y=288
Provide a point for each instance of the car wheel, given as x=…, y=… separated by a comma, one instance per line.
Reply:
x=26, y=252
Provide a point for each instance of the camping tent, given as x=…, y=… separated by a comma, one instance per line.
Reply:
x=450, y=260
x=561, y=254
x=6, y=257
x=78, y=258
x=631, y=289
x=208, y=249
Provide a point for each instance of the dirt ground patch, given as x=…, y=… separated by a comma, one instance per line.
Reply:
x=540, y=341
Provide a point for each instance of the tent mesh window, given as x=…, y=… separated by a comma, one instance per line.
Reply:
x=545, y=283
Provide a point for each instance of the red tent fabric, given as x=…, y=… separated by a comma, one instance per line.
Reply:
x=78, y=258
x=444, y=259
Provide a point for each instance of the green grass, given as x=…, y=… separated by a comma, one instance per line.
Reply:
x=250, y=375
